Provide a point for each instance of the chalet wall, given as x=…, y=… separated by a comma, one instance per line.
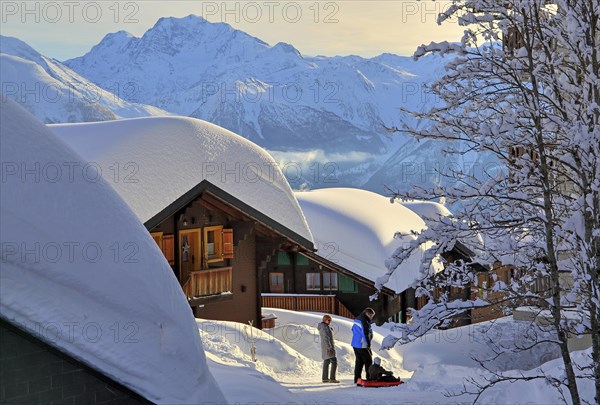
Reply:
x=385, y=307
x=194, y=216
x=32, y=372
x=167, y=227
x=273, y=266
x=295, y=283
x=357, y=302
x=244, y=303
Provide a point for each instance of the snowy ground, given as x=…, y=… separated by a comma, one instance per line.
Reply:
x=288, y=366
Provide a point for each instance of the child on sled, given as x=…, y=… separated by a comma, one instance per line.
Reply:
x=378, y=373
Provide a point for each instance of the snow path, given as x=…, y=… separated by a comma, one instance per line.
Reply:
x=288, y=366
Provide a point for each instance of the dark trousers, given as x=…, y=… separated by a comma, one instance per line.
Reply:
x=329, y=375
x=362, y=359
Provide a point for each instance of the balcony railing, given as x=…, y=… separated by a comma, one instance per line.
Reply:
x=307, y=302
x=208, y=282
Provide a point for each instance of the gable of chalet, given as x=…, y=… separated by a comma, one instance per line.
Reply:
x=211, y=193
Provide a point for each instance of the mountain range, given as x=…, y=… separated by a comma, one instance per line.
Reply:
x=324, y=118
x=55, y=94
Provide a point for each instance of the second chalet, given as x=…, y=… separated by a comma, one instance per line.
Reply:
x=354, y=232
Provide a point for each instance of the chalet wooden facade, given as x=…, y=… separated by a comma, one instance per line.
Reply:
x=291, y=278
x=483, y=288
x=216, y=204
x=348, y=271
x=218, y=248
x=308, y=282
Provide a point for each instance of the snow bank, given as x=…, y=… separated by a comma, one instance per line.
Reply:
x=464, y=345
x=442, y=362
x=449, y=378
x=355, y=229
x=230, y=342
x=162, y=158
x=244, y=385
x=81, y=272
x=288, y=366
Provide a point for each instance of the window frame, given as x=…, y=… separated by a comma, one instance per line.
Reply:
x=311, y=277
x=278, y=288
x=218, y=243
x=329, y=274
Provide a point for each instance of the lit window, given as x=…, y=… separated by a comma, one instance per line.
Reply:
x=210, y=244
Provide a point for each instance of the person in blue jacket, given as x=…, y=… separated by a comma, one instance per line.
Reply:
x=361, y=342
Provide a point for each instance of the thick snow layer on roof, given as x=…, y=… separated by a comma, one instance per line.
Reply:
x=432, y=213
x=355, y=229
x=427, y=210
x=161, y=158
x=80, y=271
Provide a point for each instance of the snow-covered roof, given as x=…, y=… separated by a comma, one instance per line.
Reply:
x=82, y=273
x=427, y=210
x=355, y=229
x=161, y=158
x=432, y=212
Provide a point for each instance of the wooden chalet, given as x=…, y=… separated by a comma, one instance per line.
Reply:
x=308, y=282
x=216, y=204
x=340, y=281
x=219, y=248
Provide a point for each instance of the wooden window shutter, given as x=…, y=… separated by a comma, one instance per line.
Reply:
x=157, y=236
x=168, y=248
x=227, y=243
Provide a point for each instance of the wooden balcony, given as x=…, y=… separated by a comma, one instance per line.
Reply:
x=204, y=283
x=307, y=302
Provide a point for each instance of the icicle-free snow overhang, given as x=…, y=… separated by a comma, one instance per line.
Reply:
x=159, y=164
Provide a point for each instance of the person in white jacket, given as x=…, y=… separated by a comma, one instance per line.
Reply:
x=328, y=350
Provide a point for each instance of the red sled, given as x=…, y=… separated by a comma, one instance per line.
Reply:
x=368, y=383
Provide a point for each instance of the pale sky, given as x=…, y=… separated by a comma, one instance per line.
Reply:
x=63, y=29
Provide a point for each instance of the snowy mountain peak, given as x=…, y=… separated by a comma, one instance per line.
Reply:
x=68, y=97
x=277, y=97
x=286, y=48
x=120, y=35
x=196, y=30
x=16, y=47
x=191, y=20
x=115, y=41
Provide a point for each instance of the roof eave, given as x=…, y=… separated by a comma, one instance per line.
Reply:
x=207, y=186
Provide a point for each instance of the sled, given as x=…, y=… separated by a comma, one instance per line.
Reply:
x=369, y=383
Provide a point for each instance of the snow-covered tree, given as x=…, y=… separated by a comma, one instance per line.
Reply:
x=524, y=86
